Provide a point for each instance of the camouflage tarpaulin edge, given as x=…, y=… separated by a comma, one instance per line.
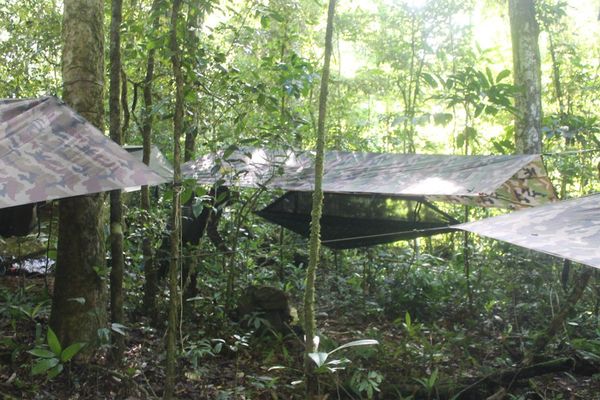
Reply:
x=568, y=229
x=489, y=181
x=48, y=151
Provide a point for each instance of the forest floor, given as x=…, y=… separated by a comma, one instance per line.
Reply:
x=412, y=360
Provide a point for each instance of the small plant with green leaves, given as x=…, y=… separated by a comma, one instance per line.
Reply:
x=366, y=382
x=203, y=348
x=320, y=358
x=412, y=329
x=18, y=304
x=51, y=358
x=429, y=383
x=256, y=321
x=588, y=349
x=33, y=311
x=326, y=365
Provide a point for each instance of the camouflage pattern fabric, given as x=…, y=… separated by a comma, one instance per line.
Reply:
x=489, y=181
x=568, y=229
x=48, y=151
x=158, y=162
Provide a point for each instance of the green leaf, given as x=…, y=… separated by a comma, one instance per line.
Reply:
x=265, y=22
x=491, y=110
x=341, y=361
x=152, y=44
x=71, y=351
x=197, y=207
x=503, y=74
x=471, y=132
x=218, y=347
x=442, y=118
x=53, y=342
x=43, y=353
x=229, y=151
x=103, y=335
x=319, y=358
x=433, y=377
x=483, y=82
x=478, y=110
x=589, y=356
x=44, y=365
x=80, y=300
x=430, y=80
x=276, y=16
x=52, y=254
x=498, y=147
x=489, y=75
x=460, y=140
x=52, y=373
x=362, y=342
x=186, y=195
x=119, y=328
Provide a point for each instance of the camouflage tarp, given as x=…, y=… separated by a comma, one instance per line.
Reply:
x=158, y=161
x=568, y=229
x=490, y=181
x=48, y=151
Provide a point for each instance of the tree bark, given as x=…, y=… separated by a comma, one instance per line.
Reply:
x=315, y=224
x=79, y=302
x=528, y=137
x=150, y=271
x=116, y=206
x=527, y=76
x=176, y=214
x=190, y=262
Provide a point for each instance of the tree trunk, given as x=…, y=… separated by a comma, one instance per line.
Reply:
x=176, y=214
x=116, y=207
x=190, y=142
x=556, y=74
x=150, y=272
x=190, y=261
x=79, y=302
x=315, y=224
x=528, y=137
x=527, y=76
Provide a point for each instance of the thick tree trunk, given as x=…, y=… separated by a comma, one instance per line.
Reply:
x=150, y=271
x=527, y=76
x=176, y=214
x=79, y=302
x=315, y=224
x=528, y=137
x=116, y=207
